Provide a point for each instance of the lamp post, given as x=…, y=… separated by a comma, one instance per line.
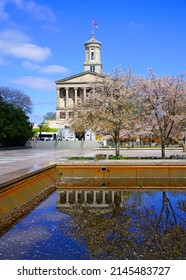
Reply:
x=150, y=139
x=40, y=128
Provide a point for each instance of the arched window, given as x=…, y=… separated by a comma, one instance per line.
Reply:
x=92, y=55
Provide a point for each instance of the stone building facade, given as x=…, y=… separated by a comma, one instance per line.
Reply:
x=77, y=86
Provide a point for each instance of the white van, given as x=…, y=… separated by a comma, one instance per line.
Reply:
x=47, y=136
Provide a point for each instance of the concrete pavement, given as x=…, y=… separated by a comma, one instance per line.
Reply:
x=17, y=162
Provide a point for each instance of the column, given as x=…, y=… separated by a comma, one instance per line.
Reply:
x=67, y=196
x=66, y=115
x=58, y=197
x=84, y=93
x=76, y=196
x=75, y=97
x=113, y=194
x=94, y=197
x=58, y=97
x=103, y=199
x=67, y=97
x=85, y=196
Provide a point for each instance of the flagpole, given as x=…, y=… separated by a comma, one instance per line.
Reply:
x=94, y=26
x=92, y=29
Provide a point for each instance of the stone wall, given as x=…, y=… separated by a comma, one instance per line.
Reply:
x=63, y=144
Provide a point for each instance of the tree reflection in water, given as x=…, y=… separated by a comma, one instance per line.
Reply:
x=131, y=230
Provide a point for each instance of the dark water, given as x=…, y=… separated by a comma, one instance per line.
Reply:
x=101, y=225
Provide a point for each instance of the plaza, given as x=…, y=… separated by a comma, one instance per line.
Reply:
x=17, y=162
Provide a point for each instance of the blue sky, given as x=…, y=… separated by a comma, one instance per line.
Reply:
x=42, y=41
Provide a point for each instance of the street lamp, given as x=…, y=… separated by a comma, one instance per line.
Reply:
x=40, y=128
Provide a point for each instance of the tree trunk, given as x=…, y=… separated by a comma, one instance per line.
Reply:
x=150, y=140
x=117, y=149
x=168, y=210
x=163, y=149
x=117, y=144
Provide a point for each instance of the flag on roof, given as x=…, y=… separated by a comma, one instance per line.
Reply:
x=95, y=23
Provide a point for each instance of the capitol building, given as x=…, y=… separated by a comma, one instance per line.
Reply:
x=70, y=89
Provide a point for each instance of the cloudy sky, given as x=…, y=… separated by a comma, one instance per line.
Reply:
x=42, y=41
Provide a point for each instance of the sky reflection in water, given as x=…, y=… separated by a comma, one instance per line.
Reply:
x=142, y=225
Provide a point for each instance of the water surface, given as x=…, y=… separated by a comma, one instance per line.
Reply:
x=101, y=224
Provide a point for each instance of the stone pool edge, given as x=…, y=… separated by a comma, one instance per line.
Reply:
x=10, y=214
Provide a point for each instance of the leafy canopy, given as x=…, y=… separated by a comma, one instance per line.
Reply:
x=15, y=129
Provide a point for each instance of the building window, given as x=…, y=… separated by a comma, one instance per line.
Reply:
x=92, y=55
x=92, y=68
x=62, y=115
x=71, y=114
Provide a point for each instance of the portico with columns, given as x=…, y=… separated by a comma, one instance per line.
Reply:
x=69, y=90
x=90, y=198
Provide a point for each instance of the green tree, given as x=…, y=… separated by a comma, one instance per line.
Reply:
x=50, y=116
x=17, y=98
x=15, y=129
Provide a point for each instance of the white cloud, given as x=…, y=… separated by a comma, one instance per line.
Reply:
x=37, y=11
x=30, y=9
x=16, y=44
x=29, y=51
x=31, y=66
x=3, y=14
x=14, y=36
x=50, y=69
x=135, y=25
x=35, y=82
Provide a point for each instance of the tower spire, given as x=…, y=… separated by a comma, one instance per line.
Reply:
x=92, y=36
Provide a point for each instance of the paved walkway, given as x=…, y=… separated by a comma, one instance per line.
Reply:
x=143, y=152
x=17, y=162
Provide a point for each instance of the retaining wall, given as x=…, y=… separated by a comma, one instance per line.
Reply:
x=63, y=144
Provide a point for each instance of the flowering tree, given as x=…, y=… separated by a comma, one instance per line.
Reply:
x=109, y=108
x=163, y=104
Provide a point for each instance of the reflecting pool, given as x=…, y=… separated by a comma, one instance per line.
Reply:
x=100, y=224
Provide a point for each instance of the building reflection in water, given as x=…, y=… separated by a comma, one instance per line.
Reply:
x=112, y=223
x=90, y=198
